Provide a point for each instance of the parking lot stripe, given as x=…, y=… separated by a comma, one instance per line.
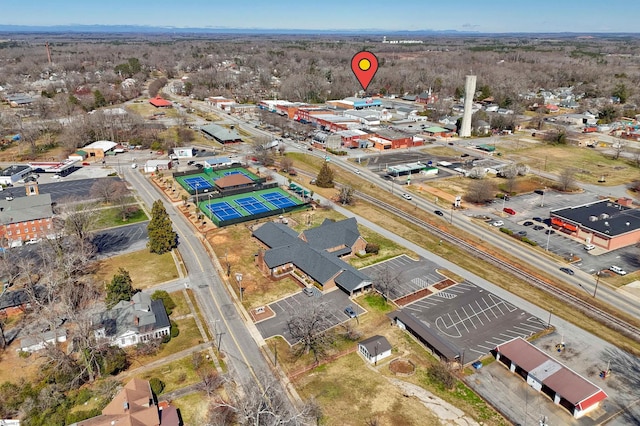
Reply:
x=484, y=311
x=468, y=318
x=460, y=320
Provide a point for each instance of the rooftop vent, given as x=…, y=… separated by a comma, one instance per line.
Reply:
x=593, y=218
x=606, y=224
x=604, y=216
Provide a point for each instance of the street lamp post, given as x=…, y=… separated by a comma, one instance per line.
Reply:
x=595, y=291
x=548, y=237
x=239, y=280
x=549, y=322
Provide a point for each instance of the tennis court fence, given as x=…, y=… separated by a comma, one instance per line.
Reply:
x=248, y=218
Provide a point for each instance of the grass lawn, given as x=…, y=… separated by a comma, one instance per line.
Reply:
x=193, y=408
x=590, y=164
x=181, y=304
x=350, y=394
x=189, y=336
x=488, y=271
x=146, y=269
x=108, y=218
x=176, y=374
x=260, y=290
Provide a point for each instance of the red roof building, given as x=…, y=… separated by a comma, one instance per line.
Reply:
x=159, y=102
x=564, y=386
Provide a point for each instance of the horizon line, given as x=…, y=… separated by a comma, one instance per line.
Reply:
x=22, y=27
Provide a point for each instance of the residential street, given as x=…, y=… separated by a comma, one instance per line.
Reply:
x=238, y=338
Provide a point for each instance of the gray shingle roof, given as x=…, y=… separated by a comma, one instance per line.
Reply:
x=311, y=256
x=332, y=234
x=275, y=234
x=150, y=314
x=21, y=209
x=380, y=341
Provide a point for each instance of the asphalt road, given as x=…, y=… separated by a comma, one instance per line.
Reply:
x=242, y=353
x=538, y=260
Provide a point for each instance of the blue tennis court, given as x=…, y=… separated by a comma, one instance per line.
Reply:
x=236, y=172
x=223, y=211
x=252, y=205
x=198, y=183
x=278, y=200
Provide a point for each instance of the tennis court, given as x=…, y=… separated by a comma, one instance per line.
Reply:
x=198, y=183
x=252, y=205
x=235, y=172
x=223, y=211
x=278, y=199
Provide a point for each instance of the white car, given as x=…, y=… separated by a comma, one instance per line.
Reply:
x=406, y=196
x=55, y=177
x=618, y=270
x=498, y=223
x=356, y=171
x=588, y=247
x=33, y=241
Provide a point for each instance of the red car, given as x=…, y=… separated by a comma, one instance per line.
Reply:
x=509, y=210
x=86, y=164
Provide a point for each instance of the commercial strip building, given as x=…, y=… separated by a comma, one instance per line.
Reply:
x=606, y=224
x=564, y=386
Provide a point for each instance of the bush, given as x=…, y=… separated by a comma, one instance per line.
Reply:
x=528, y=241
x=174, y=329
x=506, y=231
x=372, y=248
x=440, y=374
x=157, y=385
x=78, y=416
x=168, y=302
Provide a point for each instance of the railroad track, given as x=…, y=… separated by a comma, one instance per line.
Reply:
x=610, y=320
x=588, y=309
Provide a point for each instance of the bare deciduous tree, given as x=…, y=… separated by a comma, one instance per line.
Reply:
x=346, y=195
x=480, y=191
x=385, y=281
x=567, y=179
x=264, y=405
x=309, y=327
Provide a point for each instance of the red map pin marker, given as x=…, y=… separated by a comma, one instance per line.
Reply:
x=364, y=65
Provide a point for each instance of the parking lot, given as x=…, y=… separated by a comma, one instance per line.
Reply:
x=474, y=319
x=406, y=274
x=532, y=205
x=335, y=301
x=123, y=238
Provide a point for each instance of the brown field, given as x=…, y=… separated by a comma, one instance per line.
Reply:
x=350, y=394
x=590, y=164
x=13, y=368
x=146, y=269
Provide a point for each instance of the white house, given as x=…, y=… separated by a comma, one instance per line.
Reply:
x=39, y=342
x=183, y=152
x=152, y=166
x=130, y=322
x=375, y=348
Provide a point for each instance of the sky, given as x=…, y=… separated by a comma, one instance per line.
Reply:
x=493, y=16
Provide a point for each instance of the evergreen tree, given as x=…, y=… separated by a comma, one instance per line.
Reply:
x=98, y=99
x=120, y=288
x=325, y=177
x=162, y=237
x=168, y=302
